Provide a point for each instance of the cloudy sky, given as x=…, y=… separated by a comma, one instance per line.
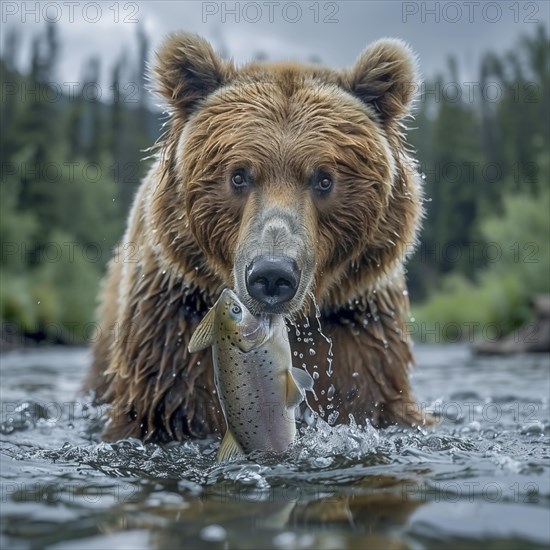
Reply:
x=334, y=32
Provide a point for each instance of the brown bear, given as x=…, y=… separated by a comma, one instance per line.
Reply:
x=293, y=185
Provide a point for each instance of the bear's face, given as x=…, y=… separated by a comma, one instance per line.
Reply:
x=285, y=171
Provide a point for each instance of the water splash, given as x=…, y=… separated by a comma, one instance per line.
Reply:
x=321, y=440
x=320, y=330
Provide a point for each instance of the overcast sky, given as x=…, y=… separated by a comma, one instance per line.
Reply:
x=334, y=32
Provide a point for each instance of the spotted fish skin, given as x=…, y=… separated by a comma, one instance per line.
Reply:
x=257, y=386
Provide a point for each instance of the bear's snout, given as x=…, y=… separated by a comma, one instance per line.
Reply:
x=272, y=280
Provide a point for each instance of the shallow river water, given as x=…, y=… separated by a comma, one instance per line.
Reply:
x=479, y=479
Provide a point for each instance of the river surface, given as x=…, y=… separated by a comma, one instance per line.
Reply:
x=479, y=479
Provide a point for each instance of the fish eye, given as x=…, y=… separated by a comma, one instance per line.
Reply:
x=236, y=309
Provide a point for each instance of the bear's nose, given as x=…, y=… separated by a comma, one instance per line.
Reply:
x=272, y=280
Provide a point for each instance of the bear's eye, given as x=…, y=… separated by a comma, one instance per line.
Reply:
x=322, y=183
x=325, y=184
x=239, y=180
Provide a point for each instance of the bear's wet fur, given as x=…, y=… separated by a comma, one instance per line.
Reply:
x=188, y=231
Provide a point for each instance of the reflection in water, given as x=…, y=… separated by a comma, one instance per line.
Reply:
x=384, y=506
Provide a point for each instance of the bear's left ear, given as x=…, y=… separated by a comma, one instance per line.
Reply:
x=386, y=77
x=188, y=70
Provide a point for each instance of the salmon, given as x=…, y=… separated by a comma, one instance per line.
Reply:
x=257, y=386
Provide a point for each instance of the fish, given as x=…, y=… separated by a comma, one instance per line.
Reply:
x=257, y=385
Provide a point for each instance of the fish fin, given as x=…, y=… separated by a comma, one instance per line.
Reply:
x=294, y=394
x=302, y=378
x=229, y=448
x=203, y=337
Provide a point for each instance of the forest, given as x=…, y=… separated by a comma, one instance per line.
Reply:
x=73, y=156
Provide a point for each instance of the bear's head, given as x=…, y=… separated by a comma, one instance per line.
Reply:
x=283, y=179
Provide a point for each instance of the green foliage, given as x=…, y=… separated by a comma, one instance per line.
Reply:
x=496, y=212
x=522, y=235
x=65, y=189
x=475, y=150
x=501, y=292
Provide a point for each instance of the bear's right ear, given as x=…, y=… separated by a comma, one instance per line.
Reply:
x=188, y=70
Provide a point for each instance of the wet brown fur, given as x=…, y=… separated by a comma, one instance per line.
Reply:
x=282, y=120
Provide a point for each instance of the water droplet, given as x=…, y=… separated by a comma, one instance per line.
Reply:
x=285, y=540
x=311, y=351
x=330, y=392
x=355, y=375
x=38, y=302
x=213, y=533
x=315, y=376
x=320, y=331
x=405, y=293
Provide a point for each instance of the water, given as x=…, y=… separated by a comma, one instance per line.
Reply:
x=479, y=479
